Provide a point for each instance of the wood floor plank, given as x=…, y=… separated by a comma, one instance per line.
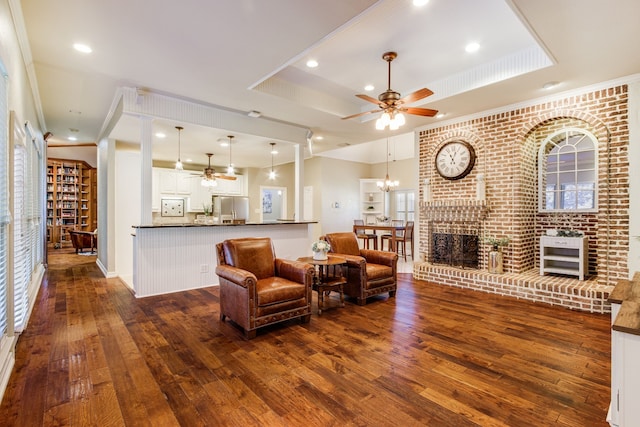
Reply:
x=93, y=354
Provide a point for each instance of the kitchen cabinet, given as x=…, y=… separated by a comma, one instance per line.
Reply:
x=171, y=183
x=625, y=353
x=174, y=182
x=231, y=188
x=200, y=196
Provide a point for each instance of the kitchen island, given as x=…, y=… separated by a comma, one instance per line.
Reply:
x=176, y=257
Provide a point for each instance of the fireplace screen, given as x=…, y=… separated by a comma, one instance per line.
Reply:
x=459, y=250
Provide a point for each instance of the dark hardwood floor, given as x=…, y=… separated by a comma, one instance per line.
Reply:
x=435, y=355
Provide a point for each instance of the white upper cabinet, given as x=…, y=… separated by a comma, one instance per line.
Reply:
x=174, y=182
x=168, y=182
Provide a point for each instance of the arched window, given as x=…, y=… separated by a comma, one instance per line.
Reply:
x=567, y=172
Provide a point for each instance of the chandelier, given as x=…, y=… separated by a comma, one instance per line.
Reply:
x=387, y=185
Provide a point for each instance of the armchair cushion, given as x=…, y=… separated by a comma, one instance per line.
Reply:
x=276, y=290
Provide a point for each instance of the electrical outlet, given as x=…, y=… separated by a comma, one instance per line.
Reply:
x=204, y=268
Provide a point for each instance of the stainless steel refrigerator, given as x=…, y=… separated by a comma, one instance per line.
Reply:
x=230, y=208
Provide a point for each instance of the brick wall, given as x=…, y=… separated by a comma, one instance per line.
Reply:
x=507, y=145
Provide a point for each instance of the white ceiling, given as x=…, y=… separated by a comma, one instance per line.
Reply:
x=248, y=55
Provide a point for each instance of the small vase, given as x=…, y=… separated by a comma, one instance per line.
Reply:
x=320, y=255
x=495, y=262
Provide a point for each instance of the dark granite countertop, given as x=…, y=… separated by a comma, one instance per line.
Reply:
x=248, y=224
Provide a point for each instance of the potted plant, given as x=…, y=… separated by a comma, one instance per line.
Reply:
x=495, y=264
x=320, y=249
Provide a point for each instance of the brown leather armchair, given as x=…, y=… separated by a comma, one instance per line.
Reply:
x=369, y=272
x=82, y=240
x=257, y=289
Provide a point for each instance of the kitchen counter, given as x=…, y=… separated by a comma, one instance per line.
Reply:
x=176, y=257
x=191, y=224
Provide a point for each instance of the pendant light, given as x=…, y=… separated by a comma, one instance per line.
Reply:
x=179, y=163
x=387, y=185
x=230, y=170
x=272, y=174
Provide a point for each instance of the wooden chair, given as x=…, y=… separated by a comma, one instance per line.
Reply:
x=366, y=237
x=407, y=237
x=387, y=237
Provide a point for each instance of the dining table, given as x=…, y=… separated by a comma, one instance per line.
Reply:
x=392, y=229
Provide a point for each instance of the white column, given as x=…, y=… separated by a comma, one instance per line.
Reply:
x=146, y=163
x=299, y=182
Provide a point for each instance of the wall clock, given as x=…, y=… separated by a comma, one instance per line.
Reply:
x=455, y=160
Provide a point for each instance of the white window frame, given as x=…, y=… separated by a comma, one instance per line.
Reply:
x=545, y=148
x=406, y=212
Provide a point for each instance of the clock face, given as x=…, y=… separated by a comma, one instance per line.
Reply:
x=455, y=160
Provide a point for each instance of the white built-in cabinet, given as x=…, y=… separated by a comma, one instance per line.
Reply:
x=564, y=255
x=624, y=410
x=169, y=183
x=373, y=201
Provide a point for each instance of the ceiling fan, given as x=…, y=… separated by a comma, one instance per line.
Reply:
x=209, y=174
x=391, y=103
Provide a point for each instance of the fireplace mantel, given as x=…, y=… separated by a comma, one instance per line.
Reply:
x=455, y=210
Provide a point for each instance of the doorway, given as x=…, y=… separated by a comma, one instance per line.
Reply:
x=273, y=203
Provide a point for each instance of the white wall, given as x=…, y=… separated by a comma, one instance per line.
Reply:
x=128, y=183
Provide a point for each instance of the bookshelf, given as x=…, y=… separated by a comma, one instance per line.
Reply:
x=70, y=199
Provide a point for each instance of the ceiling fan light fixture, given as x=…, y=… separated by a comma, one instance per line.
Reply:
x=208, y=182
x=399, y=118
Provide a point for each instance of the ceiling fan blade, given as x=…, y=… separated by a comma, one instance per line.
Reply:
x=419, y=94
x=230, y=178
x=369, y=99
x=427, y=112
x=360, y=114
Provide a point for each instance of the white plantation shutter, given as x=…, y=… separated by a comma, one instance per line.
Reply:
x=21, y=229
x=4, y=202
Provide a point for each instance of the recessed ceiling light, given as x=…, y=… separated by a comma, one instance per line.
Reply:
x=472, y=47
x=319, y=138
x=312, y=63
x=369, y=88
x=550, y=85
x=439, y=115
x=72, y=138
x=160, y=135
x=189, y=160
x=420, y=3
x=82, y=48
x=224, y=144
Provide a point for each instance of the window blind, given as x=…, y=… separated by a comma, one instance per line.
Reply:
x=4, y=203
x=22, y=234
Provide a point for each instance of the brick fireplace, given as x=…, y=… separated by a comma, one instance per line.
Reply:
x=506, y=144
